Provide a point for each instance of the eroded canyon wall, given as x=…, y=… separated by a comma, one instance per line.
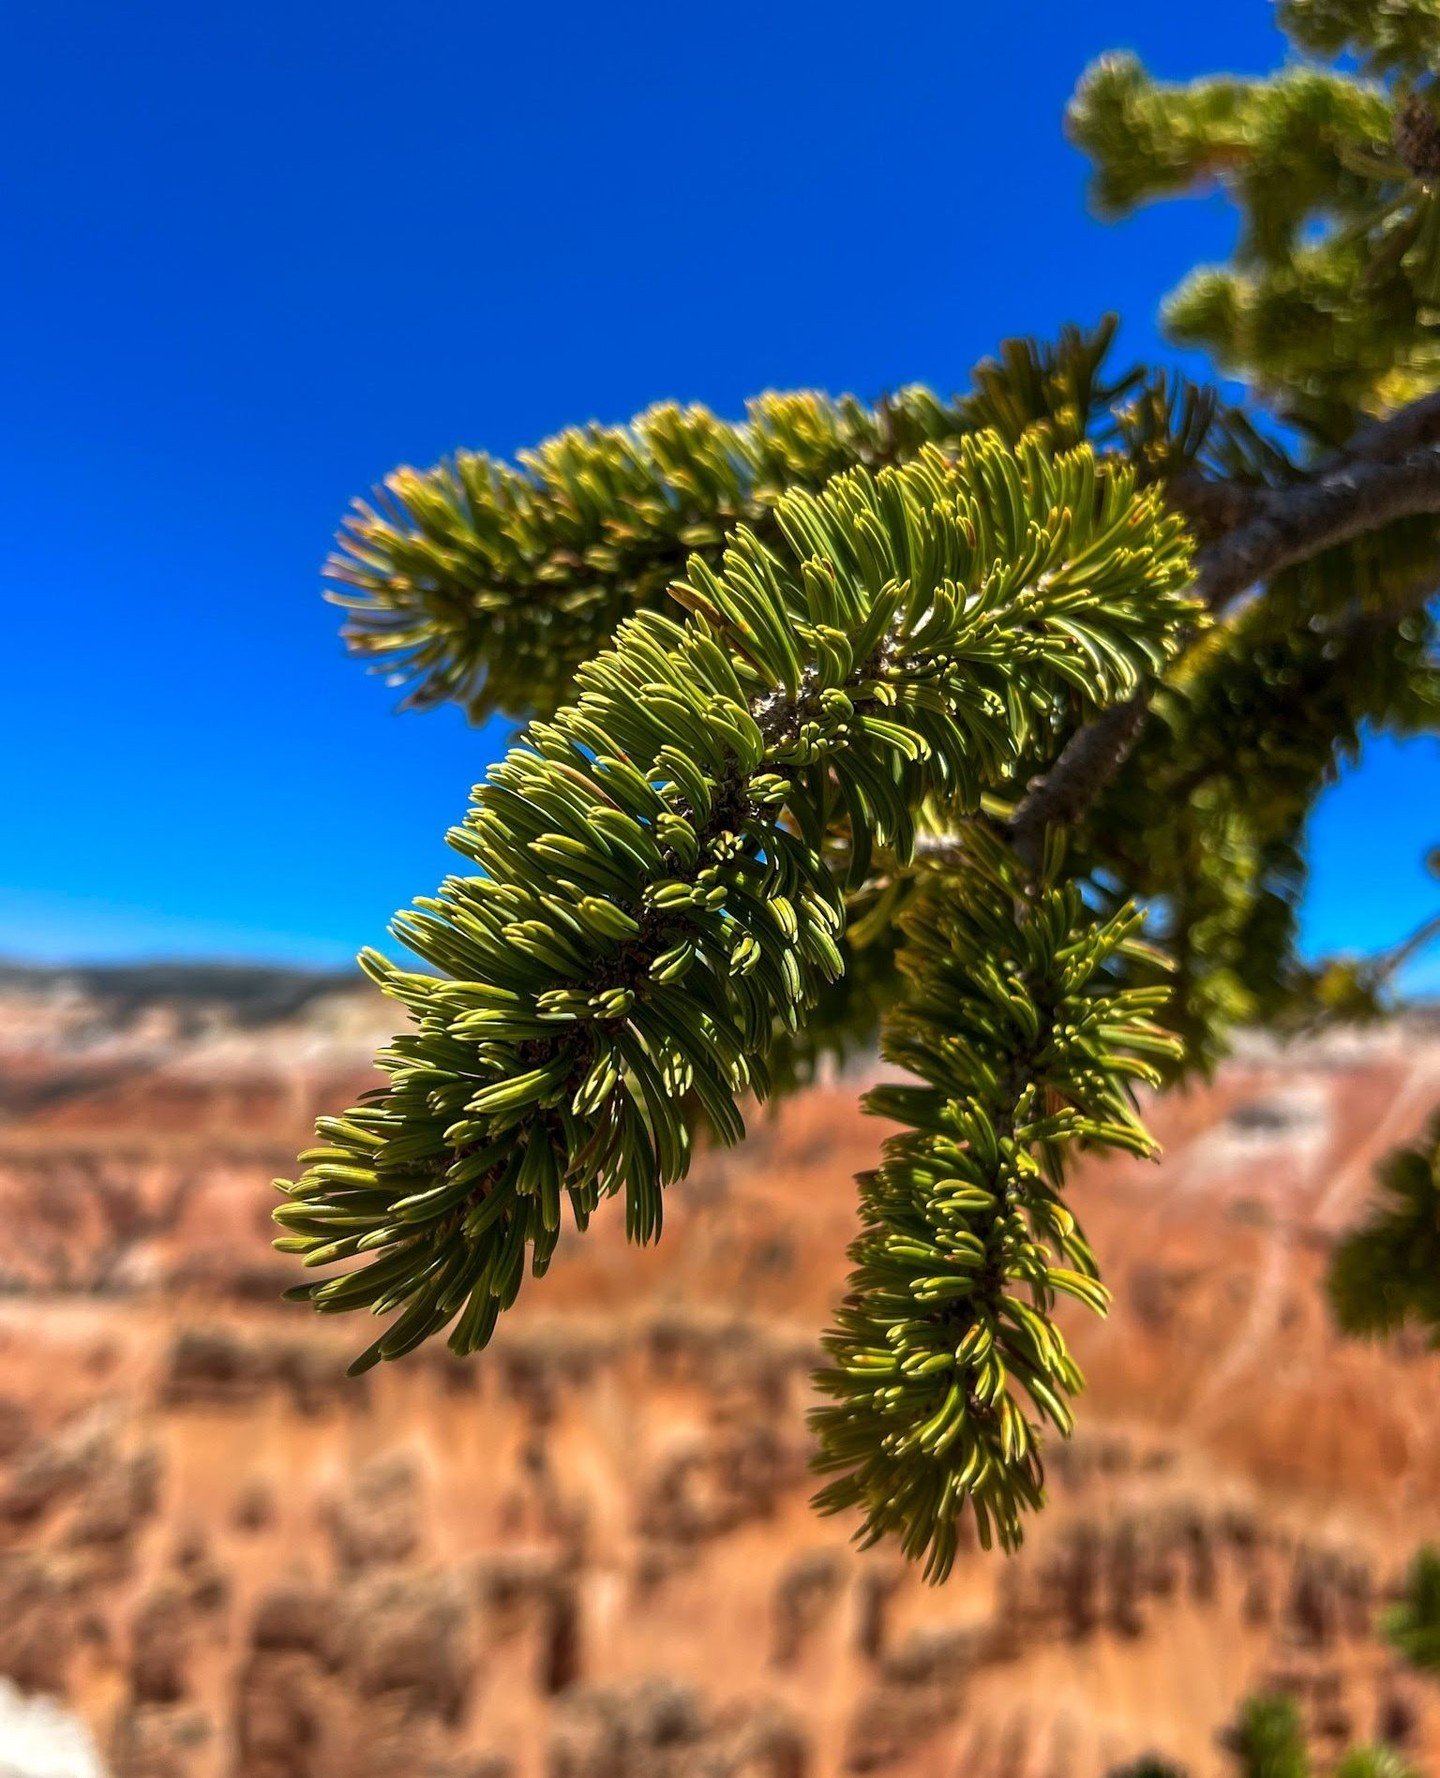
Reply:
x=588, y=1553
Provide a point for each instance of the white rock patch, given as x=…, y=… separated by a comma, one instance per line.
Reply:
x=42, y=1739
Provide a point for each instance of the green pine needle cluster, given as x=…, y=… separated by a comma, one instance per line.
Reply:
x=1375, y=1761
x=1386, y=1273
x=659, y=867
x=1412, y=1625
x=489, y=583
x=1023, y=1038
x=1329, y=305
x=1268, y=1741
x=1207, y=819
x=1387, y=37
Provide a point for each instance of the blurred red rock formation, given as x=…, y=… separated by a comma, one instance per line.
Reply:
x=588, y=1554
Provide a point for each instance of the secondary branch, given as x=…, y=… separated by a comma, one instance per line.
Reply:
x=1384, y=475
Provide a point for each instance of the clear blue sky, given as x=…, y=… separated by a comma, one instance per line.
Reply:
x=254, y=256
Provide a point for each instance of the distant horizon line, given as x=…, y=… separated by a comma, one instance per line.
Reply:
x=14, y=970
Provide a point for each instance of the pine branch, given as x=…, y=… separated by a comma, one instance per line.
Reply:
x=1207, y=821
x=1386, y=1272
x=1398, y=37
x=655, y=887
x=1268, y=1739
x=1382, y=477
x=1412, y=1625
x=1091, y=757
x=1416, y=424
x=1212, y=506
x=946, y=1359
x=1325, y=308
x=893, y=612
x=1343, y=501
x=490, y=583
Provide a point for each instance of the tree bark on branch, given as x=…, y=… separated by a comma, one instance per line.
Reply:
x=1389, y=471
x=1298, y=522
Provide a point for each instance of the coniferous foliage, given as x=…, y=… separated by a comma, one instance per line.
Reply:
x=1412, y=1626
x=1327, y=312
x=1268, y=1741
x=657, y=883
x=1019, y=1025
x=1338, y=260
x=490, y=583
x=1398, y=37
x=1375, y=1761
x=1208, y=817
x=857, y=714
x=1386, y=1272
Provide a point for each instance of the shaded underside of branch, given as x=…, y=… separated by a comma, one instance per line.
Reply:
x=1343, y=503
x=1090, y=759
x=1390, y=471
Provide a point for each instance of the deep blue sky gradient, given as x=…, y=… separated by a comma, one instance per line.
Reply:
x=254, y=256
